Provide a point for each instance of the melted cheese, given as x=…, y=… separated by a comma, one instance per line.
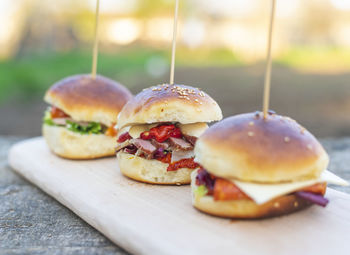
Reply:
x=194, y=129
x=262, y=193
x=135, y=131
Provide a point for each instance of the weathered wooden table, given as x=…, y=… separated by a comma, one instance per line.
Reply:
x=33, y=223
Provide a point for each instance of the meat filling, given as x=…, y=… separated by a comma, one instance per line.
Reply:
x=222, y=189
x=159, y=143
x=145, y=146
x=180, y=144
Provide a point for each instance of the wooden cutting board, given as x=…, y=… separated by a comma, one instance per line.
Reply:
x=150, y=219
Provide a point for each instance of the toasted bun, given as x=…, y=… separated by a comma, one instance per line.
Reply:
x=72, y=145
x=247, y=209
x=88, y=99
x=169, y=103
x=151, y=171
x=250, y=148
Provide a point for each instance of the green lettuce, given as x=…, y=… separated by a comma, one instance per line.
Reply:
x=201, y=191
x=90, y=128
x=47, y=119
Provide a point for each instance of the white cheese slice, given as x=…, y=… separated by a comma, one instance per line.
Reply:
x=194, y=129
x=262, y=193
x=135, y=131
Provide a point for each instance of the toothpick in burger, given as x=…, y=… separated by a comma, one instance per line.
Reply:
x=158, y=130
x=80, y=122
x=252, y=167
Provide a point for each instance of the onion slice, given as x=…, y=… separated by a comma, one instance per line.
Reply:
x=313, y=198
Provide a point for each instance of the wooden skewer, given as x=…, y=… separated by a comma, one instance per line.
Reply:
x=267, y=83
x=173, y=50
x=95, y=49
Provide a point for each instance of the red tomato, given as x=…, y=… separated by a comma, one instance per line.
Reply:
x=146, y=135
x=166, y=159
x=318, y=188
x=183, y=163
x=226, y=190
x=58, y=113
x=161, y=133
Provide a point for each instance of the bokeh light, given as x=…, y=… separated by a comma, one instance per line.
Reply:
x=341, y=4
x=124, y=31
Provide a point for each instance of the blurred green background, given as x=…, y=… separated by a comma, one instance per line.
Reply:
x=221, y=49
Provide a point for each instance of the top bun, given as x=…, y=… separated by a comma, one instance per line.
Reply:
x=169, y=103
x=87, y=99
x=250, y=148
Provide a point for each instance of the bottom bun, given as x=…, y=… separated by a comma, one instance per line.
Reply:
x=151, y=170
x=245, y=208
x=72, y=145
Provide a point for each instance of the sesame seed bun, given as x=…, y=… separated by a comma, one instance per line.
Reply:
x=169, y=103
x=87, y=99
x=245, y=208
x=72, y=145
x=250, y=148
x=151, y=171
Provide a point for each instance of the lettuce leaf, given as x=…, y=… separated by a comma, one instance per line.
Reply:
x=201, y=191
x=90, y=128
x=47, y=119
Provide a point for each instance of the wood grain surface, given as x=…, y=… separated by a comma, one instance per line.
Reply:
x=150, y=219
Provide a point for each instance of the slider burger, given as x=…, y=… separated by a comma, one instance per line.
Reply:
x=79, y=124
x=158, y=130
x=253, y=167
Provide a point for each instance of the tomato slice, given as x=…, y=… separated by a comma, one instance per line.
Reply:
x=58, y=113
x=162, y=133
x=318, y=188
x=226, y=190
